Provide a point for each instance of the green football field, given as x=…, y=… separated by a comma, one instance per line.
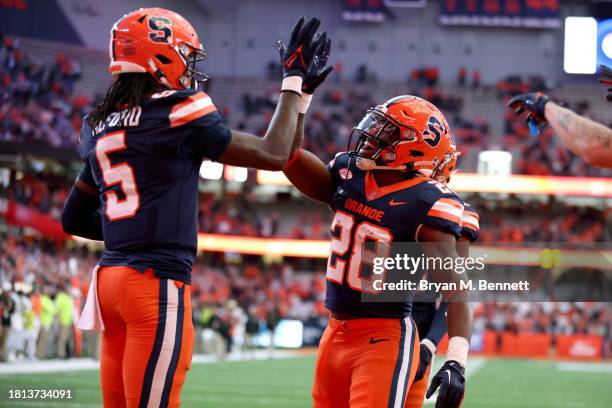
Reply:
x=492, y=383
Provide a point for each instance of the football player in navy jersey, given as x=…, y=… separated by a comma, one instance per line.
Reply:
x=390, y=188
x=142, y=147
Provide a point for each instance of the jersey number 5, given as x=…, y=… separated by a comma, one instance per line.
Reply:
x=121, y=174
x=364, y=232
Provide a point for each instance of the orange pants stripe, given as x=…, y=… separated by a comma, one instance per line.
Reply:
x=416, y=393
x=365, y=363
x=148, y=341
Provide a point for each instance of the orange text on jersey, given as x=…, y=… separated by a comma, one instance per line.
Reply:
x=362, y=209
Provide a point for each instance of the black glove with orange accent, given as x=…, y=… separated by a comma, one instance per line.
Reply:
x=606, y=80
x=317, y=71
x=297, y=57
x=451, y=380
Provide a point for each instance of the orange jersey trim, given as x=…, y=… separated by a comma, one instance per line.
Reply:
x=373, y=191
x=470, y=220
x=193, y=108
x=447, y=209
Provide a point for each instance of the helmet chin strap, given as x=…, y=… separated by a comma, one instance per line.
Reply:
x=370, y=164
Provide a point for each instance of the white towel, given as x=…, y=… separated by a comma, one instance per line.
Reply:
x=91, y=318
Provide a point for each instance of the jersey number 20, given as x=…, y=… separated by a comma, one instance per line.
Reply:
x=122, y=174
x=364, y=232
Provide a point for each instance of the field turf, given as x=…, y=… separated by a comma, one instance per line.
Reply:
x=492, y=383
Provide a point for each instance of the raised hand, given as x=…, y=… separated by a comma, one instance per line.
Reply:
x=319, y=70
x=606, y=80
x=534, y=104
x=297, y=57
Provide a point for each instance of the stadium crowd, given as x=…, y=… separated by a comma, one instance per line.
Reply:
x=502, y=221
x=44, y=286
x=38, y=105
x=329, y=125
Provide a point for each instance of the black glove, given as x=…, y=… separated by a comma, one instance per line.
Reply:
x=298, y=56
x=424, y=362
x=318, y=70
x=531, y=102
x=606, y=80
x=534, y=104
x=451, y=380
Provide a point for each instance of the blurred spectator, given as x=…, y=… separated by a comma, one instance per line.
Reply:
x=65, y=311
x=476, y=79
x=36, y=102
x=47, y=313
x=462, y=77
x=7, y=304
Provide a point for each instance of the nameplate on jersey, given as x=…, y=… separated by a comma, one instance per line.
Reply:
x=124, y=118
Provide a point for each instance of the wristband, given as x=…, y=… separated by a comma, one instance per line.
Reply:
x=430, y=346
x=458, y=348
x=305, y=103
x=292, y=83
x=293, y=158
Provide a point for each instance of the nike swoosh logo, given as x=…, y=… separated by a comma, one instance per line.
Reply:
x=297, y=53
x=449, y=375
x=393, y=203
x=374, y=341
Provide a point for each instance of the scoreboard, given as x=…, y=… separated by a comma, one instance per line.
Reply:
x=505, y=13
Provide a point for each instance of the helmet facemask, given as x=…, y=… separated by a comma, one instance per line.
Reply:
x=192, y=78
x=378, y=134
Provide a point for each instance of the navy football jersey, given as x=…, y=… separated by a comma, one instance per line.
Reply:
x=368, y=214
x=146, y=162
x=469, y=222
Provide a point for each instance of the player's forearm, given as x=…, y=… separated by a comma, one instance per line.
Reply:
x=586, y=138
x=438, y=325
x=81, y=215
x=310, y=175
x=280, y=135
x=459, y=316
x=464, y=326
x=463, y=246
x=272, y=151
x=298, y=139
x=441, y=245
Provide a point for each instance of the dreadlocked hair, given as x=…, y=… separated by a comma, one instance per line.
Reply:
x=127, y=91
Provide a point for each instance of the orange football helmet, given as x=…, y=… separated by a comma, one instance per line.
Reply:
x=159, y=42
x=405, y=133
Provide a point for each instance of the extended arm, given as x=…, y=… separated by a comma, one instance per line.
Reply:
x=308, y=173
x=437, y=330
x=584, y=137
x=451, y=376
x=272, y=151
x=442, y=245
x=81, y=215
